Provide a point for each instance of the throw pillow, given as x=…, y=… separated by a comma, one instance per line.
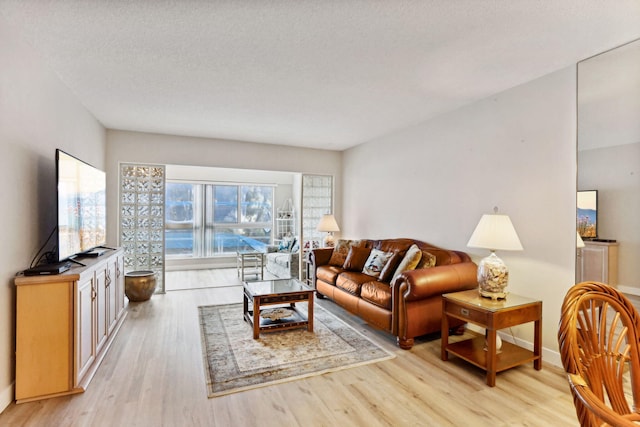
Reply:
x=375, y=262
x=428, y=260
x=387, y=272
x=409, y=262
x=356, y=258
x=341, y=250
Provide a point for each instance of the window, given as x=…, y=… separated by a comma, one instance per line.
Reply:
x=208, y=220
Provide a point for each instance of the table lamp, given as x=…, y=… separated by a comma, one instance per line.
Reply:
x=328, y=224
x=494, y=232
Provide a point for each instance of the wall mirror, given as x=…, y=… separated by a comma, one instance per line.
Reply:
x=609, y=161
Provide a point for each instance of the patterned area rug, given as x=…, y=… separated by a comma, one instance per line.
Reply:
x=234, y=361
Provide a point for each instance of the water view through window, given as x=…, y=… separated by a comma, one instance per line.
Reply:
x=206, y=220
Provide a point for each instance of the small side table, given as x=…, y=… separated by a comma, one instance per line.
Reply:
x=250, y=263
x=492, y=315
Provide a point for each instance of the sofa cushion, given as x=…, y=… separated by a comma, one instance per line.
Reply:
x=427, y=260
x=356, y=258
x=375, y=262
x=377, y=293
x=387, y=272
x=409, y=262
x=328, y=273
x=341, y=250
x=351, y=281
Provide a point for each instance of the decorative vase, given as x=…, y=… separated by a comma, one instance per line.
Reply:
x=493, y=277
x=139, y=285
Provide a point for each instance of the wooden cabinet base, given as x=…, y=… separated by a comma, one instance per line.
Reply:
x=65, y=325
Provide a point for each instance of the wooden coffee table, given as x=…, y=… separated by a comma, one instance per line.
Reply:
x=492, y=315
x=284, y=293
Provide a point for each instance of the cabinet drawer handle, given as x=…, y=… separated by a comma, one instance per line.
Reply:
x=464, y=311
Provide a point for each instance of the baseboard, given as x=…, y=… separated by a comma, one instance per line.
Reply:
x=6, y=396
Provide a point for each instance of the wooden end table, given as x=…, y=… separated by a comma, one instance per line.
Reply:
x=492, y=315
x=277, y=292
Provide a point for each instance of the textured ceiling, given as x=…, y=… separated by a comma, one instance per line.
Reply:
x=317, y=73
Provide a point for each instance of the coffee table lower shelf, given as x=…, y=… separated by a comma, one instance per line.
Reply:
x=296, y=320
x=473, y=351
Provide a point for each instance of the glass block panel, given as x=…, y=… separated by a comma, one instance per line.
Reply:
x=128, y=171
x=157, y=198
x=142, y=218
x=317, y=200
x=143, y=172
x=143, y=210
x=128, y=197
x=143, y=198
x=127, y=223
x=142, y=185
x=129, y=184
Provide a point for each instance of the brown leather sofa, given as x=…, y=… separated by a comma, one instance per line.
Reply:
x=407, y=307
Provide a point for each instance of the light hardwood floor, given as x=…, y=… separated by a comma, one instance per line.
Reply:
x=153, y=376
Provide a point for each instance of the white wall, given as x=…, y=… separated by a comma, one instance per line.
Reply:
x=515, y=150
x=37, y=115
x=126, y=146
x=615, y=173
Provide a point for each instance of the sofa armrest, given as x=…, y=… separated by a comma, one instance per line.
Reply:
x=424, y=283
x=319, y=257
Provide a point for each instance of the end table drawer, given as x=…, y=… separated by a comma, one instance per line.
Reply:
x=464, y=312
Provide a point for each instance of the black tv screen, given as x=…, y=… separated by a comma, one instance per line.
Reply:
x=587, y=215
x=81, y=206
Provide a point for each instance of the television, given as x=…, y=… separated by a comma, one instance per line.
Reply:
x=587, y=214
x=81, y=204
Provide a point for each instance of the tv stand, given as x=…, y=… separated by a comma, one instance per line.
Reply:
x=65, y=324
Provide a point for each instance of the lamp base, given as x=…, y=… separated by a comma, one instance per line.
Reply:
x=493, y=277
x=329, y=241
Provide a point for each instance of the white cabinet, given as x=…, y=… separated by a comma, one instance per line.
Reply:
x=65, y=324
x=598, y=262
x=86, y=334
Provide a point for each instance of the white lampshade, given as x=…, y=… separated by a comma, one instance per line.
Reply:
x=494, y=232
x=579, y=241
x=328, y=224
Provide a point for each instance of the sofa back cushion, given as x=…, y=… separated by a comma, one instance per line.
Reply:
x=409, y=262
x=341, y=250
x=427, y=260
x=376, y=262
x=387, y=272
x=356, y=258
